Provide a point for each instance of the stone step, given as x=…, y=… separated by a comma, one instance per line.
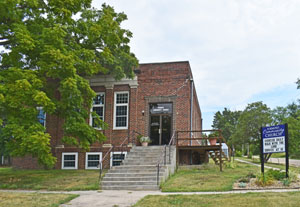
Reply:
x=144, y=159
x=136, y=167
x=149, y=178
x=136, y=171
x=148, y=147
x=145, y=174
x=146, y=153
x=127, y=183
x=135, y=157
x=131, y=187
x=137, y=162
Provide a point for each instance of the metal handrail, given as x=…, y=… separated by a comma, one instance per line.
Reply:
x=135, y=132
x=111, y=149
x=107, y=153
x=164, y=152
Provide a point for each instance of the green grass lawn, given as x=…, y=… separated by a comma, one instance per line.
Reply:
x=227, y=200
x=49, y=179
x=9, y=199
x=208, y=178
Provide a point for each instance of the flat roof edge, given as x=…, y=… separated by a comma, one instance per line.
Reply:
x=169, y=62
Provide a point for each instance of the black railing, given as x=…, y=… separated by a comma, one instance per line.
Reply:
x=112, y=149
x=164, y=156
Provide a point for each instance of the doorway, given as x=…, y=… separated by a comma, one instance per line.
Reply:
x=160, y=123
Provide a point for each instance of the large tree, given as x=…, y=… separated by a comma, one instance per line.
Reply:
x=290, y=115
x=254, y=116
x=49, y=48
x=226, y=121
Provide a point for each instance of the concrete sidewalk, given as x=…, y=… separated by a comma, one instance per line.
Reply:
x=292, y=162
x=115, y=198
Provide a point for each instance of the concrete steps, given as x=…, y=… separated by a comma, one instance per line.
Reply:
x=139, y=170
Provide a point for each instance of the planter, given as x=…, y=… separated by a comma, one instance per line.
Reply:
x=144, y=144
x=213, y=141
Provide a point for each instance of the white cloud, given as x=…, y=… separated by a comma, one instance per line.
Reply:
x=237, y=48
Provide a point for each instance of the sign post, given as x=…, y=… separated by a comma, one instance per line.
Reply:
x=286, y=151
x=274, y=139
x=262, y=159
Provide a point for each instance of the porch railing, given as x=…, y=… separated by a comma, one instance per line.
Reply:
x=200, y=138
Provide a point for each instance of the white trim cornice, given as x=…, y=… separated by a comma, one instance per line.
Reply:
x=109, y=82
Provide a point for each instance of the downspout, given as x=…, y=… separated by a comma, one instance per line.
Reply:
x=191, y=115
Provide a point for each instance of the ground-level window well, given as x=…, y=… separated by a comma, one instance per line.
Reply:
x=92, y=160
x=69, y=160
x=116, y=158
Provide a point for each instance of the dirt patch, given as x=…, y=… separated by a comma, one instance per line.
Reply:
x=251, y=185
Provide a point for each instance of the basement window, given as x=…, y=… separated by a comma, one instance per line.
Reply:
x=92, y=160
x=69, y=160
x=116, y=158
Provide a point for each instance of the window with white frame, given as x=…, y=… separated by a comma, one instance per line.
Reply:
x=92, y=160
x=116, y=158
x=41, y=116
x=69, y=160
x=121, y=110
x=98, y=107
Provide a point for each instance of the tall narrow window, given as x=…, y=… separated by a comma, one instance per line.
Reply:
x=121, y=110
x=98, y=107
x=41, y=116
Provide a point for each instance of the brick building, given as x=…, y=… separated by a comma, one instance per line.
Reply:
x=159, y=100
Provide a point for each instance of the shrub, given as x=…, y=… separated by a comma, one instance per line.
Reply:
x=238, y=153
x=293, y=176
x=286, y=182
x=230, y=164
x=264, y=180
x=250, y=155
x=144, y=139
x=242, y=185
x=276, y=174
x=247, y=178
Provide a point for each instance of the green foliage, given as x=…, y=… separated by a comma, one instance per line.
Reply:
x=144, y=139
x=226, y=121
x=252, y=118
x=48, y=56
x=286, y=182
x=250, y=155
x=264, y=180
x=293, y=175
x=247, y=178
x=238, y=153
x=276, y=174
x=242, y=185
x=230, y=164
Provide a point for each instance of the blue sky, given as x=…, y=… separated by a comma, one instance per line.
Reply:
x=240, y=51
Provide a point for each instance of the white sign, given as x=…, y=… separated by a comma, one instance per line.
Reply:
x=274, y=145
x=273, y=139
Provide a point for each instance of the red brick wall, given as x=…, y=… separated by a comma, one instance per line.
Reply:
x=157, y=82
